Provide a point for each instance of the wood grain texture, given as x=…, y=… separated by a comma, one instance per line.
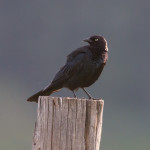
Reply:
x=68, y=124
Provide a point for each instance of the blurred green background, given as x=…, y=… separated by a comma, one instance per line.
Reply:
x=36, y=36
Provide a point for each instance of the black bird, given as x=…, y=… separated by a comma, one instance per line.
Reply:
x=82, y=69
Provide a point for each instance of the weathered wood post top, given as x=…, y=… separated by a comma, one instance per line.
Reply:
x=68, y=124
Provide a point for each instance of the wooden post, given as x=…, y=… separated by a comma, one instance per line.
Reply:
x=68, y=124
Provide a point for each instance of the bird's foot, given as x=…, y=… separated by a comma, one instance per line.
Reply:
x=92, y=98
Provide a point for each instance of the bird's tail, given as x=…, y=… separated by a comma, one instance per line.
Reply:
x=49, y=90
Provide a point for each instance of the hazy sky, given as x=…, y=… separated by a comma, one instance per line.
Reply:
x=36, y=36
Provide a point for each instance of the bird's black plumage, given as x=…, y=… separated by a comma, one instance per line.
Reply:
x=82, y=68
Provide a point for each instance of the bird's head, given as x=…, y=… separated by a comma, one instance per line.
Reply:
x=97, y=42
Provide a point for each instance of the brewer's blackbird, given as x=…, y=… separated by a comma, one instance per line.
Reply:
x=82, y=68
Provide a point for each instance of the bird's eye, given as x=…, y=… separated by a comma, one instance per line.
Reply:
x=96, y=40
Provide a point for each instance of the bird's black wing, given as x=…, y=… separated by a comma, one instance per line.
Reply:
x=73, y=66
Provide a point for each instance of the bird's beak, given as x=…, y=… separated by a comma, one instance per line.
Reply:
x=87, y=40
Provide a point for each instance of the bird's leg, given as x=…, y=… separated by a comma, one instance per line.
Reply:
x=75, y=96
x=90, y=97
